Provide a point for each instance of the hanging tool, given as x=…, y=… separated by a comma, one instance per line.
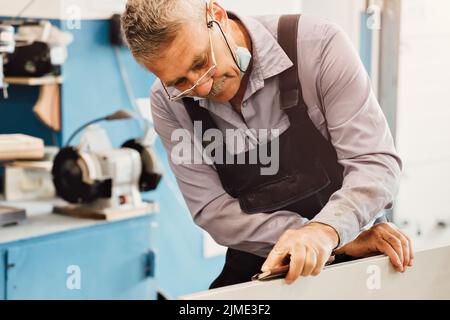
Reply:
x=7, y=45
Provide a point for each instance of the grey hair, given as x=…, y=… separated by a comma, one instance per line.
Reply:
x=150, y=26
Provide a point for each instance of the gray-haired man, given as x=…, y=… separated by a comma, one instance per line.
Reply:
x=337, y=168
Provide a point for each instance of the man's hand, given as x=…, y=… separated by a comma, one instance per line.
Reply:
x=308, y=248
x=382, y=238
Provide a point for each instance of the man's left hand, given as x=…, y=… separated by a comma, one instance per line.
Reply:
x=308, y=248
x=382, y=238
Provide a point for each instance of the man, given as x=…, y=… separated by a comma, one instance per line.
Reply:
x=336, y=165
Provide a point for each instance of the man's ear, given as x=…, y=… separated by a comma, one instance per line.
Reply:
x=219, y=14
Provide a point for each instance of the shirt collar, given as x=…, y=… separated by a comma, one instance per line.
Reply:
x=269, y=59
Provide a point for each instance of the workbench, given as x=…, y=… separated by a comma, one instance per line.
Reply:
x=50, y=256
x=369, y=278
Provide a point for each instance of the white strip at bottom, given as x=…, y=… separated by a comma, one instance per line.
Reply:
x=370, y=278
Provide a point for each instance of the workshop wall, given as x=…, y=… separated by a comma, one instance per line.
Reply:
x=63, y=9
x=17, y=114
x=423, y=133
x=92, y=83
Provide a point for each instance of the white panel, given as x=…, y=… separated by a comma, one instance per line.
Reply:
x=423, y=198
x=423, y=130
x=372, y=278
x=211, y=248
x=63, y=9
x=262, y=7
x=103, y=9
x=345, y=13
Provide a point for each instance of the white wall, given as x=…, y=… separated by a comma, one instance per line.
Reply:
x=97, y=9
x=345, y=13
x=54, y=9
x=423, y=126
x=263, y=7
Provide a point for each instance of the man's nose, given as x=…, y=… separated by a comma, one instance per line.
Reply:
x=203, y=89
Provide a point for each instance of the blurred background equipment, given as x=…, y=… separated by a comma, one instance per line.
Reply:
x=30, y=179
x=7, y=45
x=11, y=215
x=101, y=181
x=41, y=49
x=27, y=166
x=115, y=32
x=32, y=53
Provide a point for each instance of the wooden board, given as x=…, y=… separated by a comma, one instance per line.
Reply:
x=20, y=146
x=370, y=278
x=77, y=211
x=36, y=165
x=34, y=81
x=11, y=215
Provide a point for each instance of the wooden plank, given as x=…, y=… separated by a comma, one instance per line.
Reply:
x=86, y=212
x=34, y=81
x=370, y=278
x=20, y=146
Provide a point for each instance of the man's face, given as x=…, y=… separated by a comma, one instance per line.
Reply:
x=188, y=57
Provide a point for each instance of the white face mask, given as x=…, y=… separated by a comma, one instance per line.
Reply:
x=243, y=57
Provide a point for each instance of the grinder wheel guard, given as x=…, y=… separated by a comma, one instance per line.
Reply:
x=68, y=179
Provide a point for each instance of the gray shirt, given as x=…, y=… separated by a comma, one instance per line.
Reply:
x=341, y=104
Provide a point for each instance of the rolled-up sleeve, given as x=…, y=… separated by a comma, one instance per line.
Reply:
x=211, y=207
x=360, y=134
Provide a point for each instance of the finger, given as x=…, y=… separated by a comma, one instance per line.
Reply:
x=405, y=247
x=396, y=244
x=322, y=260
x=411, y=251
x=386, y=248
x=330, y=260
x=310, y=262
x=275, y=258
x=296, y=264
x=408, y=239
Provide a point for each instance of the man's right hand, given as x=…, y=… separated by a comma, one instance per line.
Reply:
x=382, y=238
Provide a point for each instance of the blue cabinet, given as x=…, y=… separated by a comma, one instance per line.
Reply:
x=112, y=260
x=2, y=274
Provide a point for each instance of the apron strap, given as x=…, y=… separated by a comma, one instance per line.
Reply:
x=290, y=87
x=197, y=113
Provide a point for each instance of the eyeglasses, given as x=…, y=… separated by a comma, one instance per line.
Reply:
x=203, y=79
